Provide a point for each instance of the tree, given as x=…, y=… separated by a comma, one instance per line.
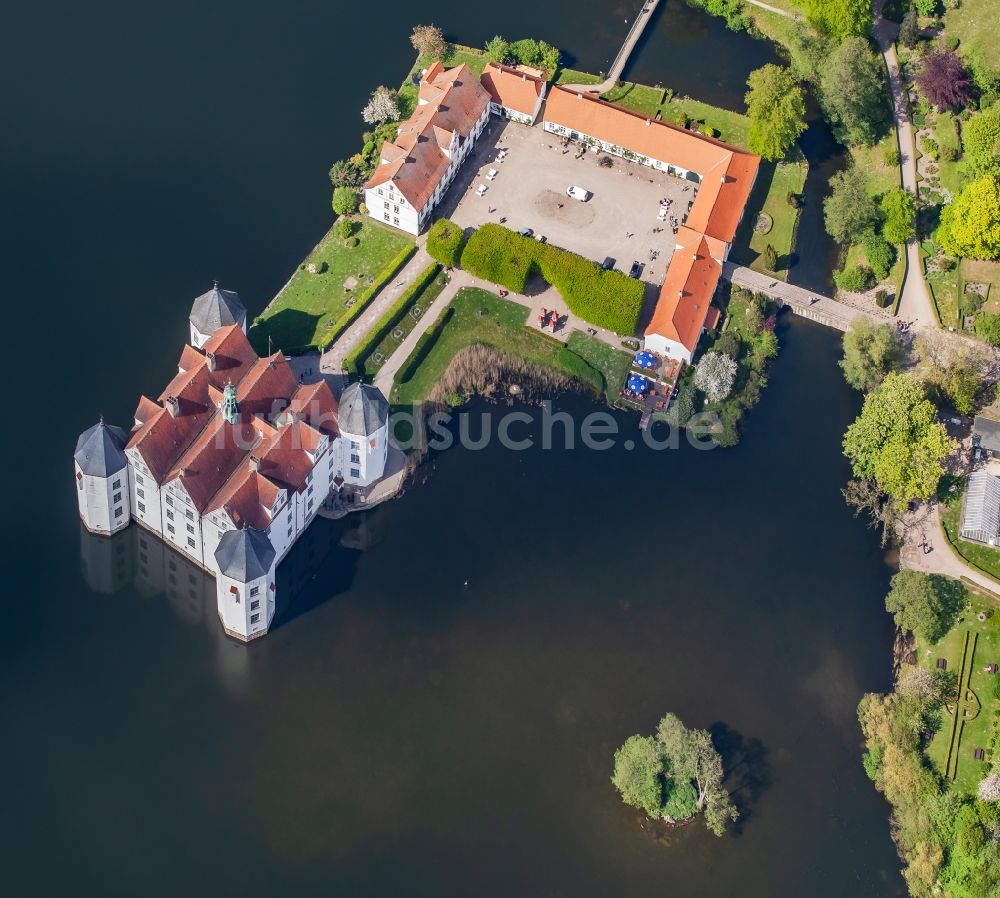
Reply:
x=849, y=211
x=770, y=258
x=924, y=604
x=944, y=80
x=345, y=200
x=382, y=107
x=445, y=241
x=852, y=92
x=428, y=40
x=926, y=7
x=674, y=775
x=526, y=51
x=981, y=140
x=970, y=223
x=899, y=215
x=960, y=384
x=897, y=441
x=989, y=788
x=866, y=498
x=345, y=173
x=909, y=31
x=497, y=49
x=881, y=255
x=715, y=375
x=549, y=57
x=776, y=108
x=871, y=351
x=841, y=19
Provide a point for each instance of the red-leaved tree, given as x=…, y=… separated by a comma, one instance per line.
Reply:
x=944, y=80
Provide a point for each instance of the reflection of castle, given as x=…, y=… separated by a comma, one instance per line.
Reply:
x=231, y=463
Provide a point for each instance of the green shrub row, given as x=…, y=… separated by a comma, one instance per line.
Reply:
x=424, y=345
x=445, y=241
x=365, y=297
x=355, y=360
x=608, y=299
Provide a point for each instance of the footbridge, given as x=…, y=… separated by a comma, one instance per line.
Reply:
x=639, y=24
x=806, y=303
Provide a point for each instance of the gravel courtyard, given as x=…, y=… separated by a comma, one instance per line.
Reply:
x=620, y=219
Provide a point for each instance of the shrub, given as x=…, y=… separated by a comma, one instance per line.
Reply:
x=354, y=362
x=854, y=279
x=880, y=253
x=608, y=299
x=445, y=241
x=345, y=200
x=988, y=327
x=882, y=299
x=890, y=156
x=795, y=200
x=345, y=227
x=365, y=296
x=351, y=242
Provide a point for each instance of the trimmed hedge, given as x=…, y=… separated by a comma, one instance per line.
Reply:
x=354, y=362
x=445, y=241
x=609, y=299
x=424, y=345
x=365, y=297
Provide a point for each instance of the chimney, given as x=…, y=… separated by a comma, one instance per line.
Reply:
x=210, y=356
x=254, y=463
x=173, y=406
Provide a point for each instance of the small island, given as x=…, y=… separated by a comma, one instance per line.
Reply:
x=674, y=776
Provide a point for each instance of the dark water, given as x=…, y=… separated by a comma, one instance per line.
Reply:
x=396, y=734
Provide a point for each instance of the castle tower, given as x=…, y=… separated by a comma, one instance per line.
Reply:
x=363, y=420
x=244, y=585
x=212, y=310
x=102, y=488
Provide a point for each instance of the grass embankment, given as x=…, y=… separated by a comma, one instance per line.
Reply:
x=572, y=76
x=476, y=316
x=985, y=558
x=309, y=306
x=614, y=364
x=974, y=23
x=976, y=732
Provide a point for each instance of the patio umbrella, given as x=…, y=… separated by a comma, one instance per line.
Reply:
x=637, y=383
x=645, y=359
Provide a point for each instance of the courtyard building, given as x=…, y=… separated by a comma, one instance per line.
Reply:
x=981, y=508
x=515, y=93
x=416, y=169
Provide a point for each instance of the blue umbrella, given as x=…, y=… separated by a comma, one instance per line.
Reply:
x=637, y=383
x=645, y=359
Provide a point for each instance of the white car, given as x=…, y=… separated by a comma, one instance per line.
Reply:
x=579, y=193
x=480, y=190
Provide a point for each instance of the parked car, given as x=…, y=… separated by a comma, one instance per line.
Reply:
x=635, y=270
x=480, y=190
x=579, y=193
x=526, y=232
x=608, y=263
x=541, y=238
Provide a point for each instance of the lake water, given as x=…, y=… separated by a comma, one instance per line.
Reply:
x=397, y=733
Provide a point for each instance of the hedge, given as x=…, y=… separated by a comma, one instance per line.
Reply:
x=365, y=297
x=445, y=241
x=354, y=362
x=424, y=345
x=609, y=299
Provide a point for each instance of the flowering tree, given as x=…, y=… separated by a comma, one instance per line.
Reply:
x=715, y=375
x=428, y=40
x=989, y=788
x=944, y=80
x=382, y=107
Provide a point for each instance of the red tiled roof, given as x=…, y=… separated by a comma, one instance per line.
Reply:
x=511, y=88
x=415, y=162
x=267, y=387
x=247, y=497
x=314, y=403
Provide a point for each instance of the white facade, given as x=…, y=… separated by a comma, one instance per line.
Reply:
x=363, y=458
x=664, y=346
x=103, y=501
x=198, y=339
x=514, y=115
x=246, y=609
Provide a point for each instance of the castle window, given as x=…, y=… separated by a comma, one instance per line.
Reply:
x=355, y=472
x=138, y=478
x=355, y=459
x=142, y=508
x=385, y=205
x=190, y=542
x=117, y=485
x=395, y=221
x=355, y=444
x=255, y=603
x=170, y=528
x=118, y=512
x=170, y=517
x=254, y=590
x=254, y=618
x=170, y=500
x=190, y=528
x=289, y=531
x=140, y=494
x=190, y=515
x=309, y=491
x=395, y=209
x=117, y=497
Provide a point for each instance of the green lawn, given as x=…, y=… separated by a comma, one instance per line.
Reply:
x=975, y=733
x=310, y=303
x=392, y=340
x=881, y=177
x=985, y=558
x=974, y=23
x=978, y=272
x=572, y=76
x=946, y=290
x=770, y=195
x=502, y=327
x=613, y=363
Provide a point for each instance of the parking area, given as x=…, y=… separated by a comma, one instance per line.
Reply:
x=621, y=220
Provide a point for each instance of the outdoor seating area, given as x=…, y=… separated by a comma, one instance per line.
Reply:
x=549, y=320
x=663, y=367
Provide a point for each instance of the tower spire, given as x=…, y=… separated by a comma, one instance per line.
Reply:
x=230, y=409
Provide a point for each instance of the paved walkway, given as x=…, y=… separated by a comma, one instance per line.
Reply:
x=774, y=9
x=915, y=304
x=923, y=526
x=639, y=24
x=333, y=358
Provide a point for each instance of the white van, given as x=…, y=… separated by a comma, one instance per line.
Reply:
x=579, y=193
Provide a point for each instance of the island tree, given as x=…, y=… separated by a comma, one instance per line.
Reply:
x=897, y=442
x=674, y=775
x=925, y=604
x=497, y=49
x=871, y=351
x=345, y=200
x=428, y=40
x=381, y=107
x=715, y=375
x=853, y=92
x=849, y=211
x=970, y=224
x=776, y=109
